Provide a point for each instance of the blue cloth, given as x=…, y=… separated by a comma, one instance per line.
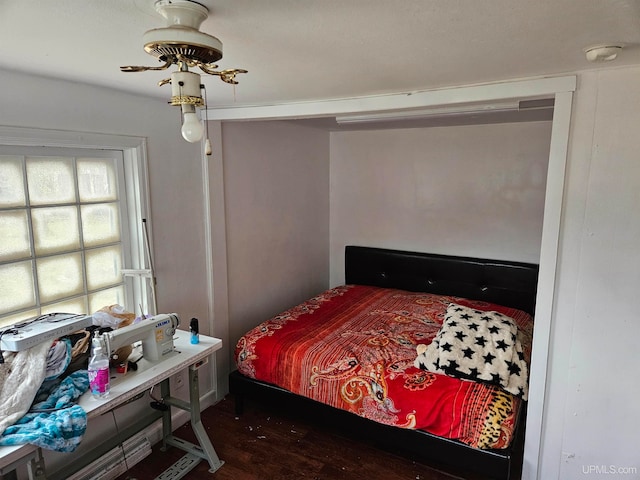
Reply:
x=55, y=421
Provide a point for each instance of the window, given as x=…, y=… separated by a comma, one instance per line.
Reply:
x=70, y=222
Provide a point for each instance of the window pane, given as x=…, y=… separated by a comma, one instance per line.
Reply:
x=103, y=267
x=104, y=298
x=50, y=180
x=96, y=180
x=59, y=276
x=74, y=305
x=17, y=287
x=64, y=211
x=18, y=317
x=11, y=182
x=100, y=224
x=55, y=229
x=14, y=232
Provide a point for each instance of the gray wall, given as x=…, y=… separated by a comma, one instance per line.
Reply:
x=467, y=190
x=276, y=183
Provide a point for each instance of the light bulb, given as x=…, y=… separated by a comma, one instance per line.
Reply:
x=191, y=128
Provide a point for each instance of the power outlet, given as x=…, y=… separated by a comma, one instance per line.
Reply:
x=179, y=380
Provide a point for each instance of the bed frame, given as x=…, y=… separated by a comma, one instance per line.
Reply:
x=512, y=284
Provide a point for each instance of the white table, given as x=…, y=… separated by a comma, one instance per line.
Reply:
x=125, y=388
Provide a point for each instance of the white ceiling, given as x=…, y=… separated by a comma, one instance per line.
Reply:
x=309, y=50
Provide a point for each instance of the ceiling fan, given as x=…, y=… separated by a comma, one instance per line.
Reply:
x=181, y=43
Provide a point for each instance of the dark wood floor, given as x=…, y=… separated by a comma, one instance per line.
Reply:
x=263, y=445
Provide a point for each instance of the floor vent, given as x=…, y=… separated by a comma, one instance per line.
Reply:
x=180, y=468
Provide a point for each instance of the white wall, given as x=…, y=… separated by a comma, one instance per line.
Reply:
x=592, y=409
x=467, y=190
x=276, y=180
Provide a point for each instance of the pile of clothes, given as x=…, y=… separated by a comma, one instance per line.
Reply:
x=38, y=398
x=40, y=387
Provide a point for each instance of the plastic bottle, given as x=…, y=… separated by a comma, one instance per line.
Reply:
x=195, y=331
x=98, y=371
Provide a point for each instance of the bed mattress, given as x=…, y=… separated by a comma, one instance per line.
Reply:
x=354, y=347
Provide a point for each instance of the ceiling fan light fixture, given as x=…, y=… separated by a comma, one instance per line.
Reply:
x=181, y=43
x=185, y=89
x=185, y=93
x=192, y=129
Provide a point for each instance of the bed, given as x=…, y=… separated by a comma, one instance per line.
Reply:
x=408, y=399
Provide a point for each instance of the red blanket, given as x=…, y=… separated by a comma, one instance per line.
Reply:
x=353, y=347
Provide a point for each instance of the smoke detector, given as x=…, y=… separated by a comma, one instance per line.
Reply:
x=602, y=53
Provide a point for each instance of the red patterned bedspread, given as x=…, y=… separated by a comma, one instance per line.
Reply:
x=353, y=347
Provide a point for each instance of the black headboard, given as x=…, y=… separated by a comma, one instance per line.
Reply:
x=512, y=284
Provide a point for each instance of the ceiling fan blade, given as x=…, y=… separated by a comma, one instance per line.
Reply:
x=229, y=75
x=133, y=68
x=208, y=68
x=233, y=71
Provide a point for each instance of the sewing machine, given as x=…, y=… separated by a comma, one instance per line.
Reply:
x=156, y=334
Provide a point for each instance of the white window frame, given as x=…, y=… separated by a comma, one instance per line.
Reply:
x=134, y=153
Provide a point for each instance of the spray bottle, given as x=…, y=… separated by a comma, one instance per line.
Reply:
x=98, y=369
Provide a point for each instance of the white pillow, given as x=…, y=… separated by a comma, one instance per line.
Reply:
x=480, y=346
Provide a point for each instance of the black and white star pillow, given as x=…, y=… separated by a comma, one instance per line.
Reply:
x=477, y=345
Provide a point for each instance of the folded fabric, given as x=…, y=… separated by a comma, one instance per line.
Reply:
x=58, y=358
x=55, y=421
x=480, y=346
